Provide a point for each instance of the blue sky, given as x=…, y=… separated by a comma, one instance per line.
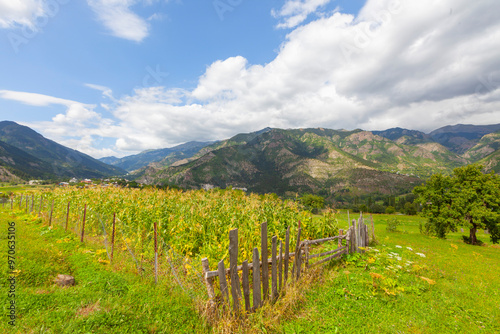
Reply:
x=115, y=77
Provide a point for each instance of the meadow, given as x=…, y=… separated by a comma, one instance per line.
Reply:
x=406, y=283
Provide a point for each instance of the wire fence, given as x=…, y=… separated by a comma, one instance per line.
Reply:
x=125, y=248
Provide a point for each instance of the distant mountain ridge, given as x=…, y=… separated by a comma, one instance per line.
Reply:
x=20, y=163
x=319, y=161
x=462, y=137
x=404, y=136
x=179, y=154
x=133, y=162
x=28, y=154
x=324, y=161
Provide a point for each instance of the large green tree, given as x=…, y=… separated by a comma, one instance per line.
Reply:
x=467, y=198
x=313, y=202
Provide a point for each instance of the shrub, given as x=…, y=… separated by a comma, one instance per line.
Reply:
x=390, y=210
x=313, y=202
x=410, y=209
x=392, y=225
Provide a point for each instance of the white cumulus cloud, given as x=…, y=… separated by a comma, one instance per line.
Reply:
x=119, y=19
x=20, y=12
x=294, y=12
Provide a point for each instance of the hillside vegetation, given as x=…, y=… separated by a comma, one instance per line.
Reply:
x=310, y=160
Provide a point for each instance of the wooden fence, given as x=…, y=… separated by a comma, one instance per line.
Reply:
x=356, y=239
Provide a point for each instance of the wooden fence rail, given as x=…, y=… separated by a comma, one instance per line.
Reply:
x=356, y=239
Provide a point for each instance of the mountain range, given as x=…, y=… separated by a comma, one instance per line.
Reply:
x=324, y=161
x=26, y=154
x=328, y=161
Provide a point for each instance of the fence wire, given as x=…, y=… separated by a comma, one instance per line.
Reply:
x=131, y=252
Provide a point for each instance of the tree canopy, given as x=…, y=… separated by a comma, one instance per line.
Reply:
x=467, y=198
x=313, y=202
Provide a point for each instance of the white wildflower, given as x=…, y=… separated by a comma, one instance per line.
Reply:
x=398, y=246
x=420, y=254
x=409, y=248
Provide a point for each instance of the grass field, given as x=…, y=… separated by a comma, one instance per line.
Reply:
x=22, y=188
x=455, y=288
x=411, y=283
x=102, y=301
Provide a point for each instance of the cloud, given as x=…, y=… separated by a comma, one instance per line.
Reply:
x=419, y=65
x=119, y=19
x=34, y=99
x=79, y=127
x=20, y=12
x=106, y=91
x=294, y=12
x=409, y=64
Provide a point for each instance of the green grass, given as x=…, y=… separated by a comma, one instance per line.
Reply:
x=102, y=301
x=455, y=288
x=464, y=296
x=22, y=188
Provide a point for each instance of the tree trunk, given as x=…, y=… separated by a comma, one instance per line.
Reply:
x=473, y=238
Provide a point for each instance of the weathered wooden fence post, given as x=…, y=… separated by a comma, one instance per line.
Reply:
x=280, y=266
x=222, y=282
x=51, y=211
x=209, y=281
x=67, y=216
x=265, y=266
x=297, y=263
x=83, y=222
x=246, y=284
x=306, y=254
x=113, y=238
x=274, y=272
x=287, y=252
x=257, y=301
x=353, y=237
x=358, y=232
x=233, y=269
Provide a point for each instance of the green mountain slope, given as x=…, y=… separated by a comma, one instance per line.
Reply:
x=46, y=158
x=283, y=161
x=318, y=160
x=491, y=162
x=486, y=152
x=462, y=137
x=486, y=146
x=164, y=157
x=15, y=162
x=404, y=136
